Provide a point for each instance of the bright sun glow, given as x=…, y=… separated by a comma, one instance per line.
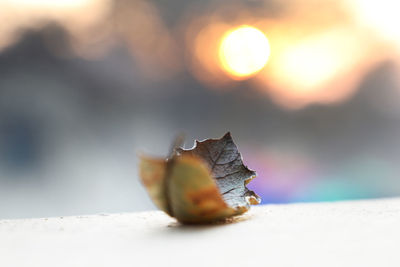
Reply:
x=311, y=63
x=323, y=68
x=243, y=51
x=381, y=15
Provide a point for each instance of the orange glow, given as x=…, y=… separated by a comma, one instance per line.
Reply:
x=203, y=40
x=78, y=17
x=312, y=62
x=315, y=57
x=322, y=68
x=243, y=51
x=48, y=3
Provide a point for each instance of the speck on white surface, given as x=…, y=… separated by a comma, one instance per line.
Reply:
x=353, y=233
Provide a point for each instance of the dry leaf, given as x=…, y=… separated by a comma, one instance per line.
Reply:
x=201, y=185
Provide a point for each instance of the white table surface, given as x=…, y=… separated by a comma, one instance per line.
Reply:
x=354, y=233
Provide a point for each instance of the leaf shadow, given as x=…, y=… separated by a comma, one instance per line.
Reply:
x=179, y=228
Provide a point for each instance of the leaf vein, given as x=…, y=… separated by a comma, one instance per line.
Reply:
x=229, y=174
x=219, y=155
x=230, y=190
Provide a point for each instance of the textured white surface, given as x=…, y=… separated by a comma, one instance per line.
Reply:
x=355, y=233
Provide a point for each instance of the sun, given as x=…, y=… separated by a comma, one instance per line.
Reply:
x=243, y=51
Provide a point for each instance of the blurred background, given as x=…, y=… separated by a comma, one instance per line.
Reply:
x=309, y=90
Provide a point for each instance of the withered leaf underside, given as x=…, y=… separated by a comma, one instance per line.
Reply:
x=231, y=175
x=202, y=184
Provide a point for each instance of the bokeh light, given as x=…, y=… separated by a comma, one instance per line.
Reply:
x=49, y=3
x=84, y=20
x=380, y=16
x=244, y=51
x=203, y=37
x=319, y=68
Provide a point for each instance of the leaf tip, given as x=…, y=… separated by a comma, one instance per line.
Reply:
x=227, y=135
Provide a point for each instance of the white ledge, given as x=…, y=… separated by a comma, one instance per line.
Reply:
x=353, y=233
